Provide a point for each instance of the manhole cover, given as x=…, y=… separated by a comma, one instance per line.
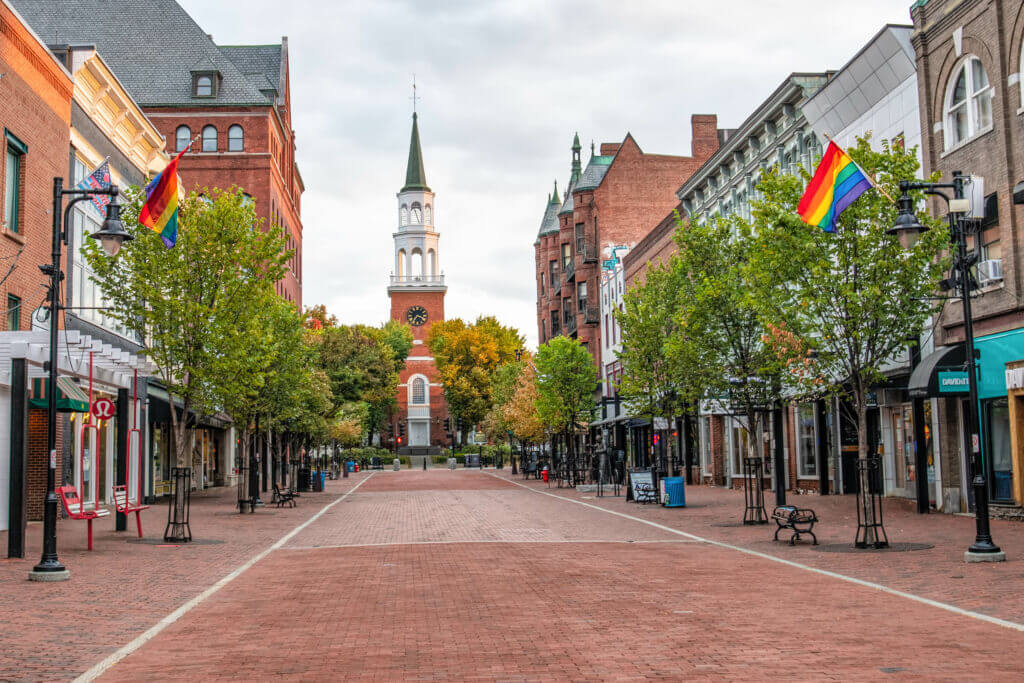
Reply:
x=893, y=548
x=174, y=544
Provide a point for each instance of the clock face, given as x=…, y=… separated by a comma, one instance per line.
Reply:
x=416, y=315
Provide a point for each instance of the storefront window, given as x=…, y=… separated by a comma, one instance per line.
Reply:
x=737, y=447
x=806, y=441
x=903, y=438
x=997, y=427
x=705, y=444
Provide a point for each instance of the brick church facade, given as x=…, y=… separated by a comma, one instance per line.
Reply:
x=417, y=293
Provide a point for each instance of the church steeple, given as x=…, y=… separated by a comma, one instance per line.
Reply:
x=577, y=167
x=415, y=176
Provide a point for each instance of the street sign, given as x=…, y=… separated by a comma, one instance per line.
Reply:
x=102, y=409
x=661, y=423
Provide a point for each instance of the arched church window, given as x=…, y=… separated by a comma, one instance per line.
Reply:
x=427, y=215
x=403, y=215
x=403, y=265
x=431, y=262
x=417, y=262
x=419, y=391
x=417, y=214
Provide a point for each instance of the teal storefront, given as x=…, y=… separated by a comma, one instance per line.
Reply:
x=996, y=350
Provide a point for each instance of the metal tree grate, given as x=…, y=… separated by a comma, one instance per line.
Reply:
x=870, y=530
x=753, y=491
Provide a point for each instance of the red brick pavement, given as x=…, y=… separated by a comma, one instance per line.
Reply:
x=939, y=573
x=56, y=631
x=507, y=584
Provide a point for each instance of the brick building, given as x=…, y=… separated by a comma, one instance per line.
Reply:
x=236, y=98
x=417, y=293
x=614, y=201
x=35, y=114
x=969, y=65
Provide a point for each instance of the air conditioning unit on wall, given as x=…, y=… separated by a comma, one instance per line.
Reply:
x=990, y=271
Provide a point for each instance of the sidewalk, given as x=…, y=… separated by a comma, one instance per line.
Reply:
x=939, y=573
x=121, y=588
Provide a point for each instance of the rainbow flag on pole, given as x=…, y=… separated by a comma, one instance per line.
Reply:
x=835, y=185
x=160, y=212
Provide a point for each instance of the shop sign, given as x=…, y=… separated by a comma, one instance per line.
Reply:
x=953, y=381
x=661, y=423
x=102, y=409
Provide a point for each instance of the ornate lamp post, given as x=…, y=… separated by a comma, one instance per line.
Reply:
x=908, y=229
x=111, y=235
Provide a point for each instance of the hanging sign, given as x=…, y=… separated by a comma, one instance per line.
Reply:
x=102, y=409
x=953, y=381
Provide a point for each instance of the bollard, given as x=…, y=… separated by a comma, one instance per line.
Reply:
x=396, y=464
x=425, y=462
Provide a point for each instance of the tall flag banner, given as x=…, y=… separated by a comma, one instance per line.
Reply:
x=99, y=179
x=160, y=212
x=835, y=185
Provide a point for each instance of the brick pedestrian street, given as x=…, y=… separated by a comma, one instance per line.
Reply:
x=474, y=575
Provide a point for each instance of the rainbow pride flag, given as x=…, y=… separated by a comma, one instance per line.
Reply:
x=835, y=185
x=160, y=212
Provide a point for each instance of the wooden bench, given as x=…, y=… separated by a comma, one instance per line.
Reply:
x=125, y=506
x=798, y=520
x=73, y=506
x=645, y=493
x=286, y=497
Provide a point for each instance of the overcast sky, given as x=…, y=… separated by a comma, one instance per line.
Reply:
x=504, y=85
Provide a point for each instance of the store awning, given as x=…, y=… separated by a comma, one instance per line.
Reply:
x=941, y=373
x=70, y=398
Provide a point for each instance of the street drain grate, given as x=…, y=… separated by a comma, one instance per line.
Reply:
x=851, y=548
x=893, y=669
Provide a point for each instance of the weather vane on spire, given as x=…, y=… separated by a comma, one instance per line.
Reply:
x=414, y=96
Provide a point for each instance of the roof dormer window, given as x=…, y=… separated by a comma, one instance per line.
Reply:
x=204, y=83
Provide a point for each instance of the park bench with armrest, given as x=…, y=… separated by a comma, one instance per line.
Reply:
x=73, y=506
x=798, y=520
x=125, y=506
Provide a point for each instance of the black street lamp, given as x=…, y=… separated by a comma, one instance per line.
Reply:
x=110, y=236
x=907, y=229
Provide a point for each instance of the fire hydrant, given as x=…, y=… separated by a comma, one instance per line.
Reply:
x=544, y=474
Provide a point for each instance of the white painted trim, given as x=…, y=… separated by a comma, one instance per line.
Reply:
x=790, y=563
x=210, y=115
x=103, y=666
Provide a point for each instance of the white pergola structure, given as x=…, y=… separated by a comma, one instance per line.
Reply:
x=113, y=368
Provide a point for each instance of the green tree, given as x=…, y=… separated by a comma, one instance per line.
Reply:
x=190, y=305
x=565, y=387
x=854, y=297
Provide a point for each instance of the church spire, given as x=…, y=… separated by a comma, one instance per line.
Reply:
x=577, y=167
x=415, y=176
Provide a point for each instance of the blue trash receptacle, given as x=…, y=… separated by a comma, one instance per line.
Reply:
x=351, y=465
x=323, y=479
x=674, y=489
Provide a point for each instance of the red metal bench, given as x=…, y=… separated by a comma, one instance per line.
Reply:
x=73, y=506
x=125, y=506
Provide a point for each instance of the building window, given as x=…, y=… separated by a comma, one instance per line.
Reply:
x=14, y=157
x=581, y=295
x=567, y=313
x=581, y=245
x=13, y=312
x=968, y=103
x=705, y=444
x=553, y=272
x=209, y=139
x=419, y=391
x=417, y=214
x=403, y=215
x=807, y=462
x=204, y=86
x=737, y=447
x=566, y=254
x=427, y=217
x=236, y=138
x=542, y=284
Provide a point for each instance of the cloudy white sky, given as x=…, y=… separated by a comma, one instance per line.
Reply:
x=504, y=85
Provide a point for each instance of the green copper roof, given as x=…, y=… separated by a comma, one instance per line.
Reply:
x=593, y=174
x=415, y=176
x=554, y=198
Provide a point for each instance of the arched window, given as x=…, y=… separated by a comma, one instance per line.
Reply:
x=427, y=215
x=417, y=263
x=209, y=139
x=403, y=265
x=417, y=214
x=968, y=107
x=236, y=138
x=204, y=86
x=431, y=263
x=419, y=391
x=181, y=137
x=403, y=215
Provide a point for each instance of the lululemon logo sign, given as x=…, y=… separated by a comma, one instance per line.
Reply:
x=102, y=409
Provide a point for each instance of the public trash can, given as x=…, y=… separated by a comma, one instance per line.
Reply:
x=673, y=492
x=323, y=480
x=396, y=464
x=303, y=479
x=351, y=465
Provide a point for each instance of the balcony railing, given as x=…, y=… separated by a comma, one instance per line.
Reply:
x=591, y=315
x=557, y=287
x=418, y=280
x=570, y=271
x=589, y=253
x=570, y=325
